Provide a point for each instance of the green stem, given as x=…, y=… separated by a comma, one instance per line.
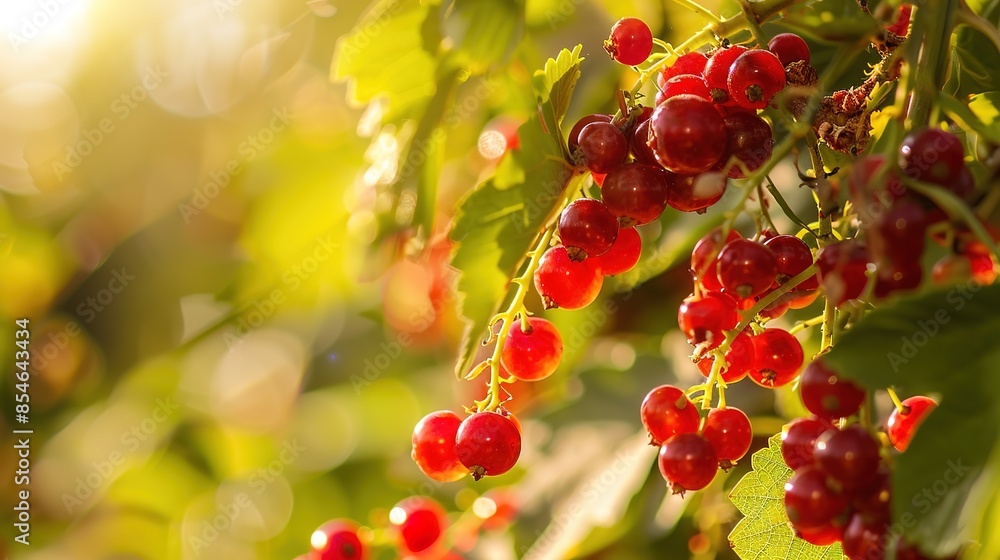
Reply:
x=773, y=189
x=935, y=23
x=753, y=24
x=966, y=16
x=699, y=9
x=895, y=398
x=802, y=325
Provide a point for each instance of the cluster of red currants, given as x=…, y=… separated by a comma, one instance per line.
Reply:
x=840, y=491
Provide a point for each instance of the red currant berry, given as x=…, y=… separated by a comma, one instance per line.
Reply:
x=931, y=155
x=690, y=63
x=777, y=358
x=875, y=503
x=666, y=411
x=750, y=143
x=754, y=79
x=686, y=84
x=641, y=152
x=897, y=277
x=717, y=71
x=730, y=433
x=563, y=282
x=705, y=320
x=587, y=229
x=849, y=456
x=901, y=26
x=688, y=462
x=488, y=444
x=822, y=536
x=687, y=135
x=843, y=270
x=793, y=257
x=337, y=540
x=635, y=193
x=574, y=133
x=532, y=354
x=630, y=42
x=419, y=523
x=903, y=423
x=704, y=258
x=789, y=48
x=602, y=146
x=434, y=446
x=747, y=268
x=810, y=501
x=695, y=193
x=863, y=539
x=739, y=358
x=798, y=441
x=826, y=394
x=623, y=255
x=899, y=233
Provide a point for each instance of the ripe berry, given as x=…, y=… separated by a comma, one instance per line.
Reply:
x=690, y=63
x=789, y=48
x=587, y=229
x=687, y=134
x=777, y=358
x=750, y=143
x=931, y=155
x=563, y=282
x=793, y=257
x=798, y=441
x=488, y=444
x=754, y=79
x=899, y=233
x=729, y=432
x=419, y=523
x=574, y=133
x=822, y=536
x=863, y=539
x=705, y=320
x=747, y=268
x=903, y=424
x=843, y=270
x=898, y=276
x=739, y=358
x=826, y=394
x=533, y=354
x=337, y=540
x=630, y=42
x=686, y=84
x=635, y=193
x=623, y=255
x=602, y=146
x=695, y=193
x=849, y=456
x=434, y=446
x=704, y=258
x=717, y=71
x=687, y=462
x=641, y=152
x=810, y=501
x=666, y=411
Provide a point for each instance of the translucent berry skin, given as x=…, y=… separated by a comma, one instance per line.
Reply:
x=666, y=411
x=747, y=268
x=641, y=152
x=902, y=426
x=630, y=42
x=623, y=255
x=690, y=63
x=563, y=282
x=574, y=133
x=777, y=358
x=822, y=536
x=695, y=193
x=810, y=501
x=635, y=193
x=931, y=155
x=798, y=441
x=686, y=84
x=687, y=135
x=793, y=257
x=754, y=79
x=842, y=270
x=864, y=540
x=687, y=462
x=587, y=229
x=789, y=48
x=602, y=146
x=739, y=358
x=751, y=143
x=849, y=456
x=705, y=319
x=729, y=432
x=434, y=446
x=717, y=71
x=704, y=258
x=337, y=540
x=419, y=523
x=534, y=354
x=826, y=394
x=488, y=444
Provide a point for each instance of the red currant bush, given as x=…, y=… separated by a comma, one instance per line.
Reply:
x=337, y=540
x=434, y=446
x=532, y=353
x=488, y=444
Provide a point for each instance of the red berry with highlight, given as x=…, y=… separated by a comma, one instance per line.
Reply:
x=563, y=282
x=739, y=358
x=789, y=48
x=635, y=193
x=717, y=71
x=903, y=424
x=337, y=540
x=419, y=523
x=488, y=444
x=798, y=441
x=826, y=394
x=810, y=501
x=730, y=433
x=434, y=446
x=849, y=456
x=690, y=63
x=666, y=411
x=747, y=268
x=687, y=462
x=602, y=146
x=705, y=319
x=754, y=79
x=687, y=135
x=630, y=42
x=777, y=358
x=587, y=229
x=623, y=255
x=532, y=354
x=750, y=143
x=793, y=257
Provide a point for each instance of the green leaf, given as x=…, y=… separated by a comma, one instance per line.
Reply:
x=764, y=533
x=984, y=106
x=497, y=223
x=935, y=343
x=385, y=55
x=484, y=31
x=974, y=57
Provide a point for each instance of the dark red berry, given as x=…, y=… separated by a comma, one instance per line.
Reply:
x=687, y=462
x=823, y=536
x=563, y=282
x=705, y=319
x=532, y=354
x=750, y=143
x=729, y=432
x=931, y=155
x=754, y=79
x=623, y=255
x=903, y=424
x=574, y=133
x=739, y=358
x=686, y=84
x=863, y=539
x=488, y=444
x=337, y=540
x=630, y=42
x=828, y=395
x=434, y=446
x=666, y=411
x=793, y=257
x=811, y=501
x=849, y=456
x=777, y=358
x=687, y=135
x=843, y=270
x=419, y=523
x=635, y=193
x=690, y=63
x=602, y=146
x=717, y=71
x=695, y=193
x=747, y=268
x=798, y=441
x=704, y=258
x=897, y=277
x=789, y=48
x=587, y=229
x=641, y=152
